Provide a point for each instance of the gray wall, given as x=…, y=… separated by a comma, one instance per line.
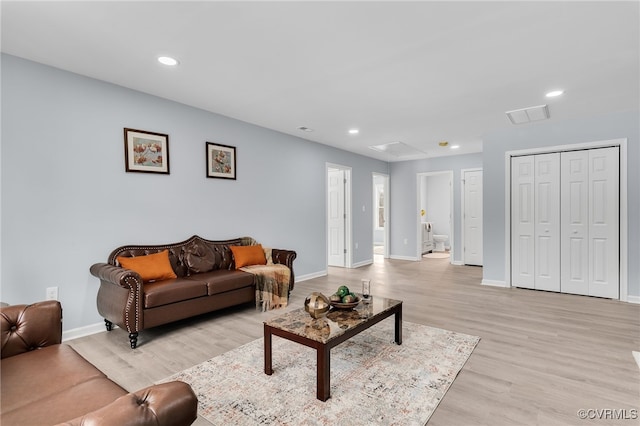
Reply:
x=551, y=133
x=405, y=209
x=67, y=201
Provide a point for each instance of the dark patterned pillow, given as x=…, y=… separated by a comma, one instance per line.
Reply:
x=200, y=258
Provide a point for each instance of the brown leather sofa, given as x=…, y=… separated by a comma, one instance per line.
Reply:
x=206, y=280
x=44, y=382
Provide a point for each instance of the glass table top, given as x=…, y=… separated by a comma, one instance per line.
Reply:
x=335, y=323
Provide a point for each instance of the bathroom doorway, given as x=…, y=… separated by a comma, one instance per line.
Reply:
x=435, y=213
x=380, y=216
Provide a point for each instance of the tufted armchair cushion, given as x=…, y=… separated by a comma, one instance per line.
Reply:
x=29, y=327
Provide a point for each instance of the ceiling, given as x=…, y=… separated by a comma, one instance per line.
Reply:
x=412, y=72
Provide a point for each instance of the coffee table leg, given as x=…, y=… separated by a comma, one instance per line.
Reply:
x=324, y=373
x=399, y=325
x=268, y=368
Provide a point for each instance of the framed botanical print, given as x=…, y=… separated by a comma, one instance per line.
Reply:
x=221, y=161
x=146, y=152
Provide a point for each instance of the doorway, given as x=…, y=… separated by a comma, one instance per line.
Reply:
x=338, y=215
x=435, y=210
x=380, y=215
x=471, y=228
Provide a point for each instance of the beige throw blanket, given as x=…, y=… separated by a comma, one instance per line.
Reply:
x=272, y=285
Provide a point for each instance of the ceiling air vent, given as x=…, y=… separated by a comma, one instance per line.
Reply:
x=399, y=150
x=526, y=115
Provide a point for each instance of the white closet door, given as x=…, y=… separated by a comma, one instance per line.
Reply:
x=473, y=217
x=604, y=222
x=337, y=218
x=522, y=222
x=547, y=222
x=575, y=222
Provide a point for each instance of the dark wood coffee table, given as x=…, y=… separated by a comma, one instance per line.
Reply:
x=325, y=333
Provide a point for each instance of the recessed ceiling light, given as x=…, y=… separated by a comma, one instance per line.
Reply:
x=167, y=60
x=354, y=131
x=554, y=93
x=455, y=146
x=443, y=143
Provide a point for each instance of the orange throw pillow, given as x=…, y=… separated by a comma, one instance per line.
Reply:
x=152, y=267
x=248, y=255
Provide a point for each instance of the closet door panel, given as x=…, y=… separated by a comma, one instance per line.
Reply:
x=522, y=222
x=574, y=219
x=604, y=222
x=547, y=222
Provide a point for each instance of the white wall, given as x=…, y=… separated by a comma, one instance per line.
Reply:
x=551, y=133
x=67, y=201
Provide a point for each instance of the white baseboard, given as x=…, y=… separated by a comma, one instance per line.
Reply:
x=494, y=283
x=363, y=263
x=311, y=276
x=87, y=330
x=396, y=257
x=457, y=263
x=633, y=299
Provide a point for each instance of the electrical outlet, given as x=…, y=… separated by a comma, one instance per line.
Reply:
x=406, y=241
x=356, y=246
x=52, y=293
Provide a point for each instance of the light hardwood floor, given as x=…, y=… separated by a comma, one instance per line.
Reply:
x=541, y=358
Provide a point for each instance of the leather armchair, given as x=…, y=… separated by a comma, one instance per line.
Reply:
x=41, y=378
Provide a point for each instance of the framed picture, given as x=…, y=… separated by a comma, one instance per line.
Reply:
x=221, y=161
x=146, y=152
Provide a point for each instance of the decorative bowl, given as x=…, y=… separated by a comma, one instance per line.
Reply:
x=317, y=305
x=350, y=305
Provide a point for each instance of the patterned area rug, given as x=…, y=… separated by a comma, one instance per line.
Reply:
x=373, y=380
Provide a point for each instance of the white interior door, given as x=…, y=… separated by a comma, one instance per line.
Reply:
x=473, y=217
x=547, y=222
x=604, y=222
x=336, y=217
x=522, y=222
x=574, y=238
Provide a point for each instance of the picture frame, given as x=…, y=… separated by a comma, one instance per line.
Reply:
x=221, y=161
x=146, y=152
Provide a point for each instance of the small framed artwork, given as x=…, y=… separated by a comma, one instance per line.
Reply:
x=146, y=152
x=221, y=161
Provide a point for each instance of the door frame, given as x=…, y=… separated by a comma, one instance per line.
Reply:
x=385, y=178
x=452, y=214
x=622, y=144
x=463, y=212
x=348, y=262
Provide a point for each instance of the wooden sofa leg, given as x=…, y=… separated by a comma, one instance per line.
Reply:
x=133, y=338
x=108, y=324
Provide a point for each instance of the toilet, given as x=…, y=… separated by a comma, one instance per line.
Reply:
x=439, y=240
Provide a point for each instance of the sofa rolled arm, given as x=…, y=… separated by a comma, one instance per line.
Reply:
x=285, y=257
x=166, y=404
x=29, y=327
x=115, y=274
x=119, y=297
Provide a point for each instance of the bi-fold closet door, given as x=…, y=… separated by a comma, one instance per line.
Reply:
x=565, y=222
